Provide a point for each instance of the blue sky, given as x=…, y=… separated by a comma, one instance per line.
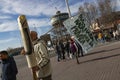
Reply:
x=38, y=13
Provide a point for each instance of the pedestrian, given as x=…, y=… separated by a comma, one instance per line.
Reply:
x=80, y=50
x=73, y=47
x=67, y=47
x=79, y=47
x=9, y=68
x=62, y=49
x=100, y=37
x=58, y=51
x=117, y=34
x=114, y=35
x=41, y=56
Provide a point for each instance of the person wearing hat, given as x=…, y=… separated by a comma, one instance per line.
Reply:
x=9, y=67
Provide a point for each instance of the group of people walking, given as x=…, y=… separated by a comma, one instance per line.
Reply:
x=68, y=49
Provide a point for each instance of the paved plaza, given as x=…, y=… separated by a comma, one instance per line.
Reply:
x=102, y=63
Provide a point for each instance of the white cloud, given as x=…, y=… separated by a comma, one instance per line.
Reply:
x=2, y=17
x=39, y=22
x=7, y=40
x=8, y=26
x=34, y=8
x=29, y=8
x=13, y=25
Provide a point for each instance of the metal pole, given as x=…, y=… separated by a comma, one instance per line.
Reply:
x=66, y=1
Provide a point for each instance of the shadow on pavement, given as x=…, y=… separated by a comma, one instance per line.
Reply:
x=96, y=52
x=101, y=58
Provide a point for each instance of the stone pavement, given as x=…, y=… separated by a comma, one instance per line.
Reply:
x=102, y=63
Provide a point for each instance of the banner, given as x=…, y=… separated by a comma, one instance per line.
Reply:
x=78, y=27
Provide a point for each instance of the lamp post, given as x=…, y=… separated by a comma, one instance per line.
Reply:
x=68, y=8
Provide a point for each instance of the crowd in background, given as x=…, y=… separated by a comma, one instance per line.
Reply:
x=68, y=49
x=108, y=35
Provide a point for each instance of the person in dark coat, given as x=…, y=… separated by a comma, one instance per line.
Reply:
x=80, y=50
x=9, y=68
x=58, y=51
x=67, y=47
x=62, y=49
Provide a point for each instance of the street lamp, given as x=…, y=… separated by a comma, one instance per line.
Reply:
x=66, y=1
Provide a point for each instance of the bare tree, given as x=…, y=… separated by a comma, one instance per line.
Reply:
x=90, y=11
x=81, y=10
x=102, y=12
x=107, y=10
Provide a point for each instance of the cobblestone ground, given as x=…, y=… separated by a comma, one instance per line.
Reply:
x=102, y=63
